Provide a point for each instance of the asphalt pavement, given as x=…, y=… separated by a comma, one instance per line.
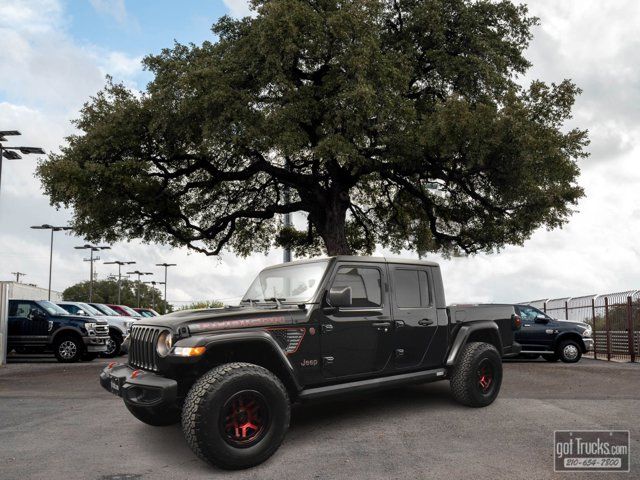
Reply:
x=57, y=423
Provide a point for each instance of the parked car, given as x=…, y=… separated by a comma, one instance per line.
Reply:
x=105, y=309
x=306, y=330
x=44, y=326
x=124, y=310
x=119, y=326
x=147, y=312
x=552, y=338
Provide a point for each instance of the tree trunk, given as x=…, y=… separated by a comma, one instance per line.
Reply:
x=330, y=224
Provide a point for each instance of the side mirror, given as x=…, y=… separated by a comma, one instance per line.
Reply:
x=339, y=297
x=540, y=319
x=37, y=315
x=81, y=312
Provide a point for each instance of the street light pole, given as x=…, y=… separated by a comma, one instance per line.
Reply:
x=53, y=229
x=153, y=284
x=139, y=273
x=10, y=152
x=120, y=263
x=92, y=248
x=166, y=266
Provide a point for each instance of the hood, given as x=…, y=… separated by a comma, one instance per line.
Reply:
x=81, y=318
x=227, y=318
x=573, y=322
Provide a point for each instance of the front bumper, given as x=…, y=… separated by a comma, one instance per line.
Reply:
x=588, y=344
x=96, y=344
x=145, y=389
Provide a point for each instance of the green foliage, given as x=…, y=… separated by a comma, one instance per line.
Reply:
x=106, y=291
x=398, y=123
x=202, y=304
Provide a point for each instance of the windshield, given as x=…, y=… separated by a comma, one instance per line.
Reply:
x=52, y=308
x=294, y=283
x=130, y=311
x=106, y=310
x=89, y=310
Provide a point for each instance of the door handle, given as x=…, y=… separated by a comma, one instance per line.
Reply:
x=424, y=322
x=326, y=327
x=381, y=324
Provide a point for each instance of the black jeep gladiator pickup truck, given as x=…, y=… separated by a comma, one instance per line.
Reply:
x=38, y=326
x=306, y=330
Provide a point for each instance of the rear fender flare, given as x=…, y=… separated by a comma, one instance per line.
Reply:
x=466, y=331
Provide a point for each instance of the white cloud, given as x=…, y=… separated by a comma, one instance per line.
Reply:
x=114, y=8
x=239, y=8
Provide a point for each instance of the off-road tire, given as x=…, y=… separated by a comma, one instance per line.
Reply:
x=117, y=340
x=562, y=353
x=464, y=379
x=206, y=401
x=551, y=357
x=65, y=352
x=155, y=416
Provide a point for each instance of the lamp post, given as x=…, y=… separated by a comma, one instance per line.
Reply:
x=53, y=229
x=153, y=284
x=166, y=266
x=139, y=273
x=10, y=153
x=18, y=275
x=92, y=248
x=120, y=263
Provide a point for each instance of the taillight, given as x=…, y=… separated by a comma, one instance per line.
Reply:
x=517, y=322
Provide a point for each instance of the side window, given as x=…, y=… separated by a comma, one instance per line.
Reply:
x=528, y=314
x=425, y=289
x=19, y=309
x=365, y=283
x=407, y=288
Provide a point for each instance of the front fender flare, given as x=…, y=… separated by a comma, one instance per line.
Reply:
x=232, y=338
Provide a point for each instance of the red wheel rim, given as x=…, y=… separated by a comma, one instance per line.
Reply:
x=245, y=418
x=485, y=376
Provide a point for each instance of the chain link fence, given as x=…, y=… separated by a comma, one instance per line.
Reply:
x=614, y=317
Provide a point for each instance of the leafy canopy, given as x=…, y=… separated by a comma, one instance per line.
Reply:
x=399, y=123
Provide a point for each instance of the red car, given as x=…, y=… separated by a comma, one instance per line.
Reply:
x=124, y=310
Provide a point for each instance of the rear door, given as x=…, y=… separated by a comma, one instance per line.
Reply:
x=23, y=328
x=415, y=316
x=358, y=340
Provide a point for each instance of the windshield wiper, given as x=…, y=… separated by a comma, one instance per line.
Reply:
x=275, y=299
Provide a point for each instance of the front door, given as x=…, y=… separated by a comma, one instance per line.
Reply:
x=415, y=317
x=534, y=335
x=358, y=340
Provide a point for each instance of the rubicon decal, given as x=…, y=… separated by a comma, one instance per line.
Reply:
x=240, y=323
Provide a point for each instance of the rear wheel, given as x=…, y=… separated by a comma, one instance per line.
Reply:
x=236, y=415
x=569, y=351
x=476, y=378
x=155, y=416
x=68, y=349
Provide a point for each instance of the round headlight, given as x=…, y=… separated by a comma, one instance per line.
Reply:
x=165, y=342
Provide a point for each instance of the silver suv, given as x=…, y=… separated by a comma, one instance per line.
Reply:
x=119, y=327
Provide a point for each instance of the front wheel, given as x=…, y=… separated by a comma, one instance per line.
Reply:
x=236, y=415
x=68, y=349
x=114, y=346
x=476, y=378
x=569, y=351
x=155, y=416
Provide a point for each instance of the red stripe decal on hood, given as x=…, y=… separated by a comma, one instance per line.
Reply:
x=243, y=323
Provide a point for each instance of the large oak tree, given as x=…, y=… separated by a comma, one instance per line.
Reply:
x=393, y=122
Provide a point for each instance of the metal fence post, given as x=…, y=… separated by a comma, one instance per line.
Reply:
x=566, y=310
x=4, y=320
x=606, y=324
x=595, y=337
x=632, y=351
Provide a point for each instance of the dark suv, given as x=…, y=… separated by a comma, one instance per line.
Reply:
x=38, y=326
x=552, y=338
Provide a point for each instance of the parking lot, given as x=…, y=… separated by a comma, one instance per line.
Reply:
x=57, y=423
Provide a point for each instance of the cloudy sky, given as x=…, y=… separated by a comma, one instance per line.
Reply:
x=56, y=53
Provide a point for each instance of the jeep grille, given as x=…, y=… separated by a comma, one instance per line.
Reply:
x=142, y=349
